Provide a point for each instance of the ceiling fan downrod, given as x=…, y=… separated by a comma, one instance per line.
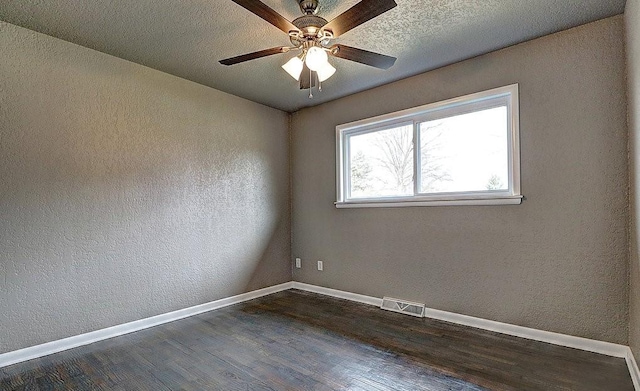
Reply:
x=308, y=7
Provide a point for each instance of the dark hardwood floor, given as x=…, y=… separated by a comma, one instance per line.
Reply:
x=296, y=340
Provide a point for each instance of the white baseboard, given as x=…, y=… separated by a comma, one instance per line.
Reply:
x=633, y=369
x=607, y=348
x=110, y=332
x=337, y=293
x=590, y=345
x=570, y=341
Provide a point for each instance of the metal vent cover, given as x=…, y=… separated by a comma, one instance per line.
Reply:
x=403, y=307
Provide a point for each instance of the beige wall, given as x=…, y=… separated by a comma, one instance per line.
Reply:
x=126, y=192
x=632, y=24
x=557, y=262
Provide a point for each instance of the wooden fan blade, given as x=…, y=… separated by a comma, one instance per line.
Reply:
x=254, y=55
x=363, y=56
x=307, y=78
x=358, y=14
x=266, y=13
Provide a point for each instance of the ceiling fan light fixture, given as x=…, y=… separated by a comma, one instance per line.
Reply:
x=316, y=58
x=294, y=67
x=325, y=72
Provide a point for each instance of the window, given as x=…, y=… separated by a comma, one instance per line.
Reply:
x=460, y=151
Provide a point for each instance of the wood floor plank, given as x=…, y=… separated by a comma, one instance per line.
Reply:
x=297, y=340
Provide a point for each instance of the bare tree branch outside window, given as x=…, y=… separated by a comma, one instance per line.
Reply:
x=433, y=172
x=396, y=156
x=382, y=162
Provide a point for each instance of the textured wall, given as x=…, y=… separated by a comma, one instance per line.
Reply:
x=557, y=262
x=126, y=192
x=632, y=24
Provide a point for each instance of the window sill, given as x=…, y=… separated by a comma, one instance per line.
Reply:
x=395, y=203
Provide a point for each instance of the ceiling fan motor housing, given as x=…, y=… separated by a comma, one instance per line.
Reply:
x=310, y=25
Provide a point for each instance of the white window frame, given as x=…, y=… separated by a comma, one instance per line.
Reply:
x=507, y=95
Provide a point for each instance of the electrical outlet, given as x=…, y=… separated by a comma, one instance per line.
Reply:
x=298, y=263
x=320, y=266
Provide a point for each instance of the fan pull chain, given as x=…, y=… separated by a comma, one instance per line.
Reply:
x=310, y=86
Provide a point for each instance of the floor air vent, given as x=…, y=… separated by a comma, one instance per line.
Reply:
x=404, y=307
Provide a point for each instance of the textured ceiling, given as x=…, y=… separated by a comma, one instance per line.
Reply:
x=188, y=38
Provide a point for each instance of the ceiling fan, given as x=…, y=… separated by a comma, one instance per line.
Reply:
x=311, y=35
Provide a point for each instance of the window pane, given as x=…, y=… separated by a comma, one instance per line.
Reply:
x=467, y=152
x=381, y=163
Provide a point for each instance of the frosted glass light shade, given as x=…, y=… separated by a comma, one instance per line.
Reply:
x=325, y=72
x=316, y=58
x=294, y=67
